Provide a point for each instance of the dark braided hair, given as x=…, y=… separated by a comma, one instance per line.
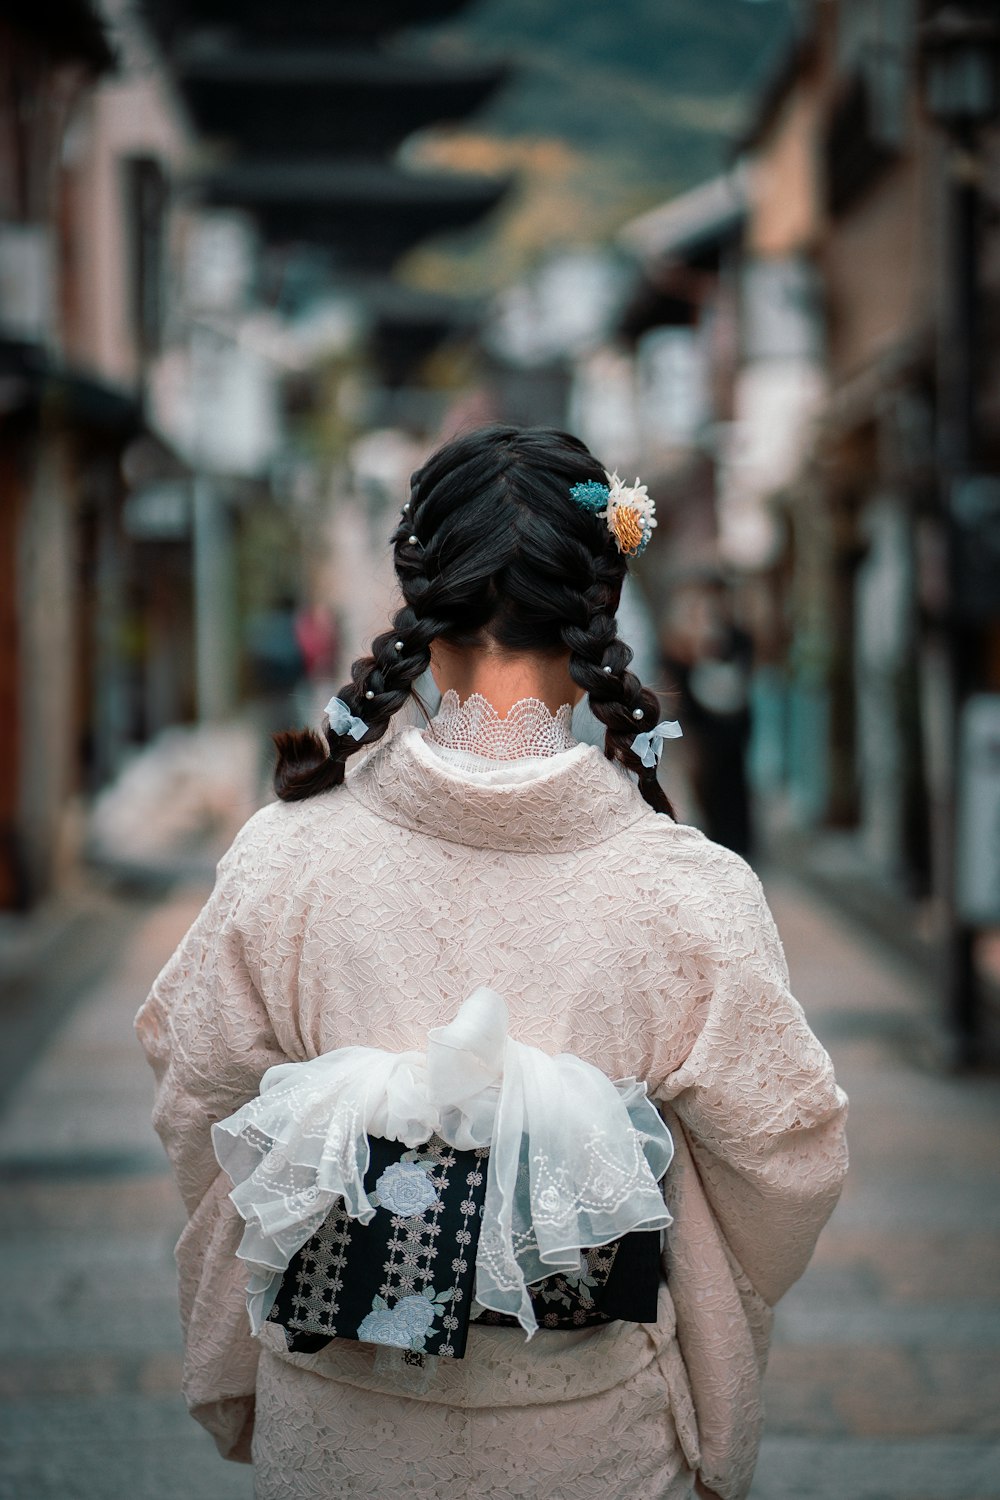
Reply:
x=491, y=547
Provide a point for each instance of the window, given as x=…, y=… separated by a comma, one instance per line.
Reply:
x=875, y=42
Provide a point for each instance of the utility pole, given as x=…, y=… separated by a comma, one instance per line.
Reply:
x=960, y=445
x=211, y=547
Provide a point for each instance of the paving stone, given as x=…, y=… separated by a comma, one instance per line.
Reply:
x=811, y=1320
x=90, y=1373
x=884, y=1380
x=126, y=1448
x=886, y=1391
x=936, y=1265
x=930, y=1469
x=107, y=1204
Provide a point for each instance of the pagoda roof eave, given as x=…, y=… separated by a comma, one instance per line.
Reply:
x=70, y=30
x=299, y=18
x=344, y=182
x=327, y=101
x=332, y=65
x=369, y=215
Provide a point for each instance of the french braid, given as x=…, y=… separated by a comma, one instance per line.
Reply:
x=490, y=546
x=586, y=599
x=382, y=681
x=598, y=662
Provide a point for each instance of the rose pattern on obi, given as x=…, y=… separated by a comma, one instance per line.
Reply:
x=404, y=1326
x=405, y=1188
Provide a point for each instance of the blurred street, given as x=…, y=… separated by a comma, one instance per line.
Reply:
x=256, y=264
x=884, y=1381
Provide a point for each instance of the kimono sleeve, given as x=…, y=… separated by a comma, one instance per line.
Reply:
x=756, y=1098
x=206, y=1032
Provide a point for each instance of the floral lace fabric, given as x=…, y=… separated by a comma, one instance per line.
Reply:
x=473, y=737
x=424, y=1450
x=361, y=918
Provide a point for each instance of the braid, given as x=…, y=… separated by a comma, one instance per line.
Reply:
x=491, y=548
x=380, y=683
x=598, y=662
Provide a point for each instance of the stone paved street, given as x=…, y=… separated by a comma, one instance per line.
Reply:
x=884, y=1382
x=90, y=1361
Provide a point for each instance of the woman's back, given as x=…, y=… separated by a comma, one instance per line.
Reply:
x=598, y=921
x=364, y=913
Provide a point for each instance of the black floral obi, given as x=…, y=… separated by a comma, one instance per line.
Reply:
x=391, y=1197
x=406, y=1278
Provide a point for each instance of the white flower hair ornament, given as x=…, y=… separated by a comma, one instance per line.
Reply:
x=626, y=509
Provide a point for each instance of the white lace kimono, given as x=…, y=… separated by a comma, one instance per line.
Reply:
x=365, y=917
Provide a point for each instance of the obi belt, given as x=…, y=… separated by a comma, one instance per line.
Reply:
x=392, y=1197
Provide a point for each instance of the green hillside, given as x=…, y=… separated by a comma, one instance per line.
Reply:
x=614, y=105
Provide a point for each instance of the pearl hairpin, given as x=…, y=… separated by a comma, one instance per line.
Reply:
x=637, y=713
x=399, y=645
x=413, y=540
x=369, y=694
x=608, y=670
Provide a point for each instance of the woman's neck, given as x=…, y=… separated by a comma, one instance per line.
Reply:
x=503, y=677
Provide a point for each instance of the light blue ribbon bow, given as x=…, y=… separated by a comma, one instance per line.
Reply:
x=342, y=721
x=649, y=746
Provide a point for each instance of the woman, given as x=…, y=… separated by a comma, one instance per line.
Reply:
x=491, y=850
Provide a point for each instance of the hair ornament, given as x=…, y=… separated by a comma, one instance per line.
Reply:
x=342, y=721
x=626, y=509
x=591, y=495
x=649, y=746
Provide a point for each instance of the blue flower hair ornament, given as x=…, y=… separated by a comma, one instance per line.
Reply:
x=591, y=495
x=626, y=509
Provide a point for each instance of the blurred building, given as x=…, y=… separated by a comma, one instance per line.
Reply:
x=853, y=179
x=823, y=425
x=97, y=449
x=200, y=210
x=848, y=184
x=69, y=410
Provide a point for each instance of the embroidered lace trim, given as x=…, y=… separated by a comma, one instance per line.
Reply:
x=474, y=728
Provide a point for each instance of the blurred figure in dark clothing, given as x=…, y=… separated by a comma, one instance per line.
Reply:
x=276, y=665
x=274, y=654
x=707, y=659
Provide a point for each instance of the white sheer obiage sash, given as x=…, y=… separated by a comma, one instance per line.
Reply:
x=575, y=1160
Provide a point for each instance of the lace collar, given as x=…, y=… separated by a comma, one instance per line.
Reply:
x=474, y=730
x=572, y=801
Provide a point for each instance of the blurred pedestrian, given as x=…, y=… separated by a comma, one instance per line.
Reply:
x=275, y=651
x=276, y=665
x=318, y=640
x=708, y=660
x=408, y=1190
